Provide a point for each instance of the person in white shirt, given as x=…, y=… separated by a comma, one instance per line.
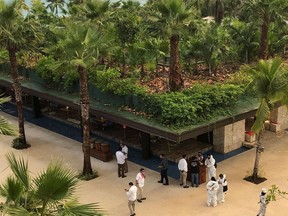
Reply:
x=212, y=188
x=120, y=157
x=222, y=181
x=210, y=164
x=140, y=180
x=132, y=195
x=125, y=151
x=183, y=169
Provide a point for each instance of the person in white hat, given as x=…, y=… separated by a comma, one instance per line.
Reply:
x=263, y=203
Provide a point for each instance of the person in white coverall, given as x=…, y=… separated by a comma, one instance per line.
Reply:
x=222, y=181
x=263, y=203
x=210, y=164
x=212, y=188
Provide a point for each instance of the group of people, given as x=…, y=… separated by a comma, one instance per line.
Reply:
x=135, y=192
x=216, y=189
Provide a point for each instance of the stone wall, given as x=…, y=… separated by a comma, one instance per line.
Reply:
x=279, y=116
x=229, y=137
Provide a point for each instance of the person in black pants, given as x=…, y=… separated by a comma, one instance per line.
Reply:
x=164, y=167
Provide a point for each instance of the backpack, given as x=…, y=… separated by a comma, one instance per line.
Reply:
x=225, y=188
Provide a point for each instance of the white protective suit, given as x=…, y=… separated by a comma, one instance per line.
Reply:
x=263, y=204
x=212, y=188
x=220, y=194
x=211, y=170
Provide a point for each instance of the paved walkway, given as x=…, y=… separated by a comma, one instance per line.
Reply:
x=108, y=189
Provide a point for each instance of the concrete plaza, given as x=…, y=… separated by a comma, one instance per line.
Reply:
x=108, y=190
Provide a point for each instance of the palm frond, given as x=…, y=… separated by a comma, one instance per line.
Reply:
x=56, y=183
x=74, y=208
x=262, y=113
x=11, y=189
x=19, y=168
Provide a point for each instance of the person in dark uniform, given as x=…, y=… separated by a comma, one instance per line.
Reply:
x=194, y=167
x=164, y=168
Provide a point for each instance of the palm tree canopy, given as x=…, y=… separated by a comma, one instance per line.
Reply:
x=173, y=14
x=270, y=83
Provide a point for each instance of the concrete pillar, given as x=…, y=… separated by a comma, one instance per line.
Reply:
x=279, y=116
x=36, y=107
x=229, y=137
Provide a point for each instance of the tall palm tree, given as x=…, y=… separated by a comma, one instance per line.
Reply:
x=49, y=193
x=270, y=83
x=5, y=127
x=174, y=15
x=268, y=11
x=17, y=32
x=56, y=6
x=79, y=46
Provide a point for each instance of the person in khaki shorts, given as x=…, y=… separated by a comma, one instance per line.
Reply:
x=183, y=169
x=132, y=196
x=125, y=152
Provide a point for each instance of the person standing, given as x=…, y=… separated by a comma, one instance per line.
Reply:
x=222, y=181
x=183, y=169
x=125, y=152
x=120, y=161
x=140, y=180
x=212, y=188
x=194, y=167
x=132, y=195
x=210, y=164
x=164, y=168
x=263, y=203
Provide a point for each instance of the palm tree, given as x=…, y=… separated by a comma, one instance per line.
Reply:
x=79, y=46
x=174, y=15
x=268, y=11
x=56, y=5
x=49, y=193
x=5, y=127
x=17, y=32
x=270, y=83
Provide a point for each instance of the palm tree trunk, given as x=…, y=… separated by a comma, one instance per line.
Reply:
x=84, y=99
x=175, y=79
x=258, y=156
x=263, y=52
x=18, y=93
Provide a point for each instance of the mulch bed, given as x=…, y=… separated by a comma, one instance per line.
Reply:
x=257, y=180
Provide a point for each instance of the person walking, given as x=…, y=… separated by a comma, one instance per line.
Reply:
x=194, y=167
x=210, y=164
x=263, y=203
x=183, y=169
x=212, y=188
x=120, y=157
x=164, y=168
x=125, y=152
x=132, y=195
x=222, y=181
x=140, y=180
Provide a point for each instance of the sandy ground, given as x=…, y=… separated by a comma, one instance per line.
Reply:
x=108, y=189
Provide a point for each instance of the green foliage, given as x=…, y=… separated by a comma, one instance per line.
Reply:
x=199, y=103
x=87, y=177
x=4, y=56
x=274, y=192
x=109, y=80
x=56, y=75
x=50, y=192
x=18, y=144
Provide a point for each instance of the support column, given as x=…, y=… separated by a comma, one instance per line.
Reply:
x=229, y=137
x=145, y=144
x=36, y=107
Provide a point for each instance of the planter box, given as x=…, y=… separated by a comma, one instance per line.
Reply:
x=274, y=127
x=103, y=156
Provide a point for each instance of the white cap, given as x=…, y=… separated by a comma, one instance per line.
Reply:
x=264, y=190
